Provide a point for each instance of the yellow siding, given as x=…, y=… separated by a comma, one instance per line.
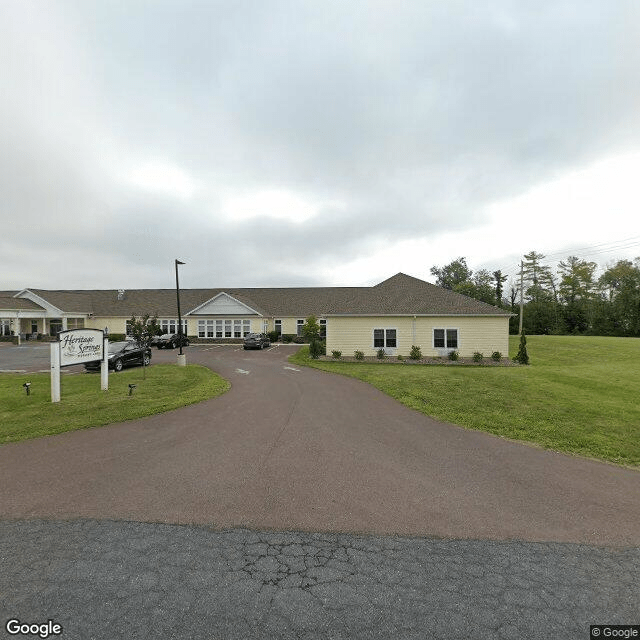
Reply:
x=115, y=325
x=484, y=334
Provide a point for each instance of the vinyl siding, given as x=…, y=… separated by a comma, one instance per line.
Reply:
x=484, y=334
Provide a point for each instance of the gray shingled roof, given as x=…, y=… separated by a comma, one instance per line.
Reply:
x=399, y=295
x=9, y=303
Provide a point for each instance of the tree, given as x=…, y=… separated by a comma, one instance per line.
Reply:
x=452, y=275
x=522, y=356
x=311, y=329
x=538, y=279
x=143, y=329
x=311, y=332
x=577, y=289
x=499, y=280
x=621, y=285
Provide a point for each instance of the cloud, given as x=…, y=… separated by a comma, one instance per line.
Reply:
x=284, y=142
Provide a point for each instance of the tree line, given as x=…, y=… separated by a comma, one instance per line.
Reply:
x=570, y=299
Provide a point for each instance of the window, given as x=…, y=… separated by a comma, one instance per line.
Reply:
x=445, y=338
x=237, y=328
x=384, y=339
x=299, y=327
x=278, y=327
x=5, y=327
x=323, y=328
x=170, y=325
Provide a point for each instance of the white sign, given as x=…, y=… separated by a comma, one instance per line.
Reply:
x=80, y=345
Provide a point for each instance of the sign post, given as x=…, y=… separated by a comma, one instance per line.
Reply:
x=55, y=372
x=76, y=346
x=104, y=367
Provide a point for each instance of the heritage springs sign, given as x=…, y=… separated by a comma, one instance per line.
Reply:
x=77, y=346
x=80, y=345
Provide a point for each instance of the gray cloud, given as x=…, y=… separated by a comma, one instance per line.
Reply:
x=411, y=115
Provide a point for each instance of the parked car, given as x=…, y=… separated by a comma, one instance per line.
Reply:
x=121, y=355
x=256, y=341
x=171, y=341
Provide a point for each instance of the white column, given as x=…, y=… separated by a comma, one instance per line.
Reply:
x=55, y=372
x=104, y=367
x=64, y=323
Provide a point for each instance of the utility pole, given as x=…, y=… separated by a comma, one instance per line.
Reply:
x=521, y=295
x=181, y=357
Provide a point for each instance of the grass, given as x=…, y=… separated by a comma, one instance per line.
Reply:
x=83, y=404
x=579, y=395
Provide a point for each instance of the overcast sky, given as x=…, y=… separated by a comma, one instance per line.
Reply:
x=308, y=142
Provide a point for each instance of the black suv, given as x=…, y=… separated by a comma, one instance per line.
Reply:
x=123, y=354
x=171, y=341
x=256, y=341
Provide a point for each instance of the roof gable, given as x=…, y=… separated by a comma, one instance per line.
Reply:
x=223, y=305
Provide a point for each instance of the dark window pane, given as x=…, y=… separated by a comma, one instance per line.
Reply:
x=378, y=338
x=452, y=338
x=438, y=338
x=391, y=337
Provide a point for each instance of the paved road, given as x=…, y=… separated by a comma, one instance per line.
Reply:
x=141, y=530
x=106, y=580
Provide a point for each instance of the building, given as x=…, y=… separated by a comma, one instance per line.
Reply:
x=394, y=315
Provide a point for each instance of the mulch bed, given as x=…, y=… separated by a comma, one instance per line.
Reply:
x=461, y=362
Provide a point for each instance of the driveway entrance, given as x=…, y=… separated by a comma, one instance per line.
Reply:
x=290, y=448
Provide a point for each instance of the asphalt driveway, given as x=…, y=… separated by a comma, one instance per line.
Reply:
x=240, y=518
x=299, y=449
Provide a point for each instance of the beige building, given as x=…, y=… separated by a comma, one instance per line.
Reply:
x=392, y=315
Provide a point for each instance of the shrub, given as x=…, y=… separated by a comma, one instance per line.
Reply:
x=380, y=354
x=316, y=349
x=298, y=340
x=416, y=353
x=496, y=356
x=477, y=356
x=453, y=356
x=287, y=338
x=336, y=354
x=400, y=357
x=117, y=337
x=359, y=355
x=273, y=336
x=522, y=356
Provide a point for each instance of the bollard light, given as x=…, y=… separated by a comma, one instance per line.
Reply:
x=27, y=386
x=131, y=388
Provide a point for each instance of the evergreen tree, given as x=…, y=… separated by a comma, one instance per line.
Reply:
x=522, y=356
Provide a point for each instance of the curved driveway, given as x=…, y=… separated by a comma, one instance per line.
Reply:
x=299, y=449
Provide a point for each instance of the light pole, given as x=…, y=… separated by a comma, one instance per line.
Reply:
x=182, y=360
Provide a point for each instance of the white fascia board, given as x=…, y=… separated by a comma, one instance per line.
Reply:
x=228, y=295
x=420, y=315
x=29, y=295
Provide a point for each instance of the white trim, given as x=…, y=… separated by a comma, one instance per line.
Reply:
x=34, y=297
x=222, y=293
x=445, y=347
x=420, y=315
x=388, y=350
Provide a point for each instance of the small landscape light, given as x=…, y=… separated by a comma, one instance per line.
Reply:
x=131, y=388
x=27, y=386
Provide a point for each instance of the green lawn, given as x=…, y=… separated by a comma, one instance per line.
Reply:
x=84, y=405
x=580, y=395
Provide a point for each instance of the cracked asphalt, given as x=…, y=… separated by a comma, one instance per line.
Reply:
x=302, y=505
x=102, y=580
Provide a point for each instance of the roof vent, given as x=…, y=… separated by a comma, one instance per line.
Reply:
x=120, y=294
